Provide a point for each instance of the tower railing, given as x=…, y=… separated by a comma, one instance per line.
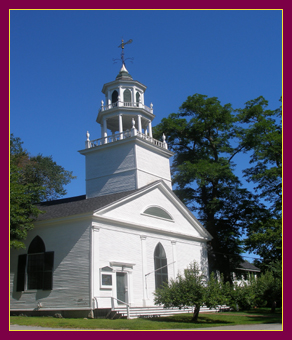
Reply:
x=126, y=104
x=124, y=135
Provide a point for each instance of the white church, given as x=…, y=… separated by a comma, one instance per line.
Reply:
x=110, y=249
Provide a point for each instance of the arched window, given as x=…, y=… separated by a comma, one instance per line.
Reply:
x=35, y=263
x=115, y=96
x=35, y=269
x=160, y=266
x=36, y=246
x=127, y=96
x=158, y=212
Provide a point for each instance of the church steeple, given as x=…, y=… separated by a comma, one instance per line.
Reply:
x=126, y=157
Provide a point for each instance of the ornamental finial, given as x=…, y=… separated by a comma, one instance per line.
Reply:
x=122, y=54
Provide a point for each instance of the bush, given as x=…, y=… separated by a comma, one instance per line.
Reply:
x=256, y=292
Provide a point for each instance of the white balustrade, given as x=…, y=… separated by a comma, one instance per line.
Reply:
x=123, y=135
x=126, y=104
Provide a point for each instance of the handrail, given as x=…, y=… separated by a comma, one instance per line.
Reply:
x=154, y=272
x=160, y=268
x=123, y=302
x=112, y=303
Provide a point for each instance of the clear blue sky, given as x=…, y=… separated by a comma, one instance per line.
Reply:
x=61, y=59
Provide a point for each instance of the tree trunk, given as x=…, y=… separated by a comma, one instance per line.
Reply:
x=273, y=308
x=196, y=313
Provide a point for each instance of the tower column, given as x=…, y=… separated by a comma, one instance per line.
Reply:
x=139, y=124
x=104, y=128
x=121, y=126
x=150, y=128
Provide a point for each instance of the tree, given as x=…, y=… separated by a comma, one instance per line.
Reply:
x=201, y=136
x=261, y=136
x=22, y=211
x=242, y=296
x=192, y=289
x=268, y=288
x=32, y=179
x=261, y=291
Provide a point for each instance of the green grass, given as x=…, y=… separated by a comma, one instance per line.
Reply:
x=180, y=321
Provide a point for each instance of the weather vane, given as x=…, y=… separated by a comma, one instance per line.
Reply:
x=122, y=54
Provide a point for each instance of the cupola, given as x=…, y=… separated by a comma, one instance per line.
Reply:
x=124, y=101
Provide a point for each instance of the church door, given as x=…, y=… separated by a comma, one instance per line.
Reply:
x=122, y=287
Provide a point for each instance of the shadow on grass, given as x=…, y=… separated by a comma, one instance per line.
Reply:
x=266, y=319
x=187, y=319
x=261, y=311
x=263, y=314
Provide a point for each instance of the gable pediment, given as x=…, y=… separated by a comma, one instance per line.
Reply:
x=155, y=208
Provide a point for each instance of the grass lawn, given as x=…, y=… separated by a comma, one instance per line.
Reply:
x=181, y=321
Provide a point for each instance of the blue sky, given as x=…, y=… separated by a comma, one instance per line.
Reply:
x=59, y=61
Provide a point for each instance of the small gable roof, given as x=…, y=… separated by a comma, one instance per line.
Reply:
x=245, y=265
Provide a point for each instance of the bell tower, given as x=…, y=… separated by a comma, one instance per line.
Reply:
x=126, y=157
x=124, y=101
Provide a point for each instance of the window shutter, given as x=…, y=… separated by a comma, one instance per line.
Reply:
x=48, y=270
x=21, y=273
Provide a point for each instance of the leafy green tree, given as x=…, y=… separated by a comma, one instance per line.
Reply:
x=32, y=179
x=201, y=135
x=191, y=289
x=269, y=288
x=261, y=136
x=262, y=291
x=22, y=211
x=243, y=295
x=216, y=291
x=185, y=291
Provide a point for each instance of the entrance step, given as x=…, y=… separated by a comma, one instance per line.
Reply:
x=155, y=311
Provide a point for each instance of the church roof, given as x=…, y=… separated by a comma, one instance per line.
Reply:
x=77, y=205
x=80, y=204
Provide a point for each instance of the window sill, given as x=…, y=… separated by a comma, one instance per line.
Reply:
x=30, y=291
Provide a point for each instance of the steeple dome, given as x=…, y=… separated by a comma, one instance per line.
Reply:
x=124, y=74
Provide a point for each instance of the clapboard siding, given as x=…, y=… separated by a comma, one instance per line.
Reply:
x=110, y=170
x=124, y=246
x=121, y=244
x=71, y=275
x=151, y=166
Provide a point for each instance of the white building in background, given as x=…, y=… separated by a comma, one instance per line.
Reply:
x=115, y=245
